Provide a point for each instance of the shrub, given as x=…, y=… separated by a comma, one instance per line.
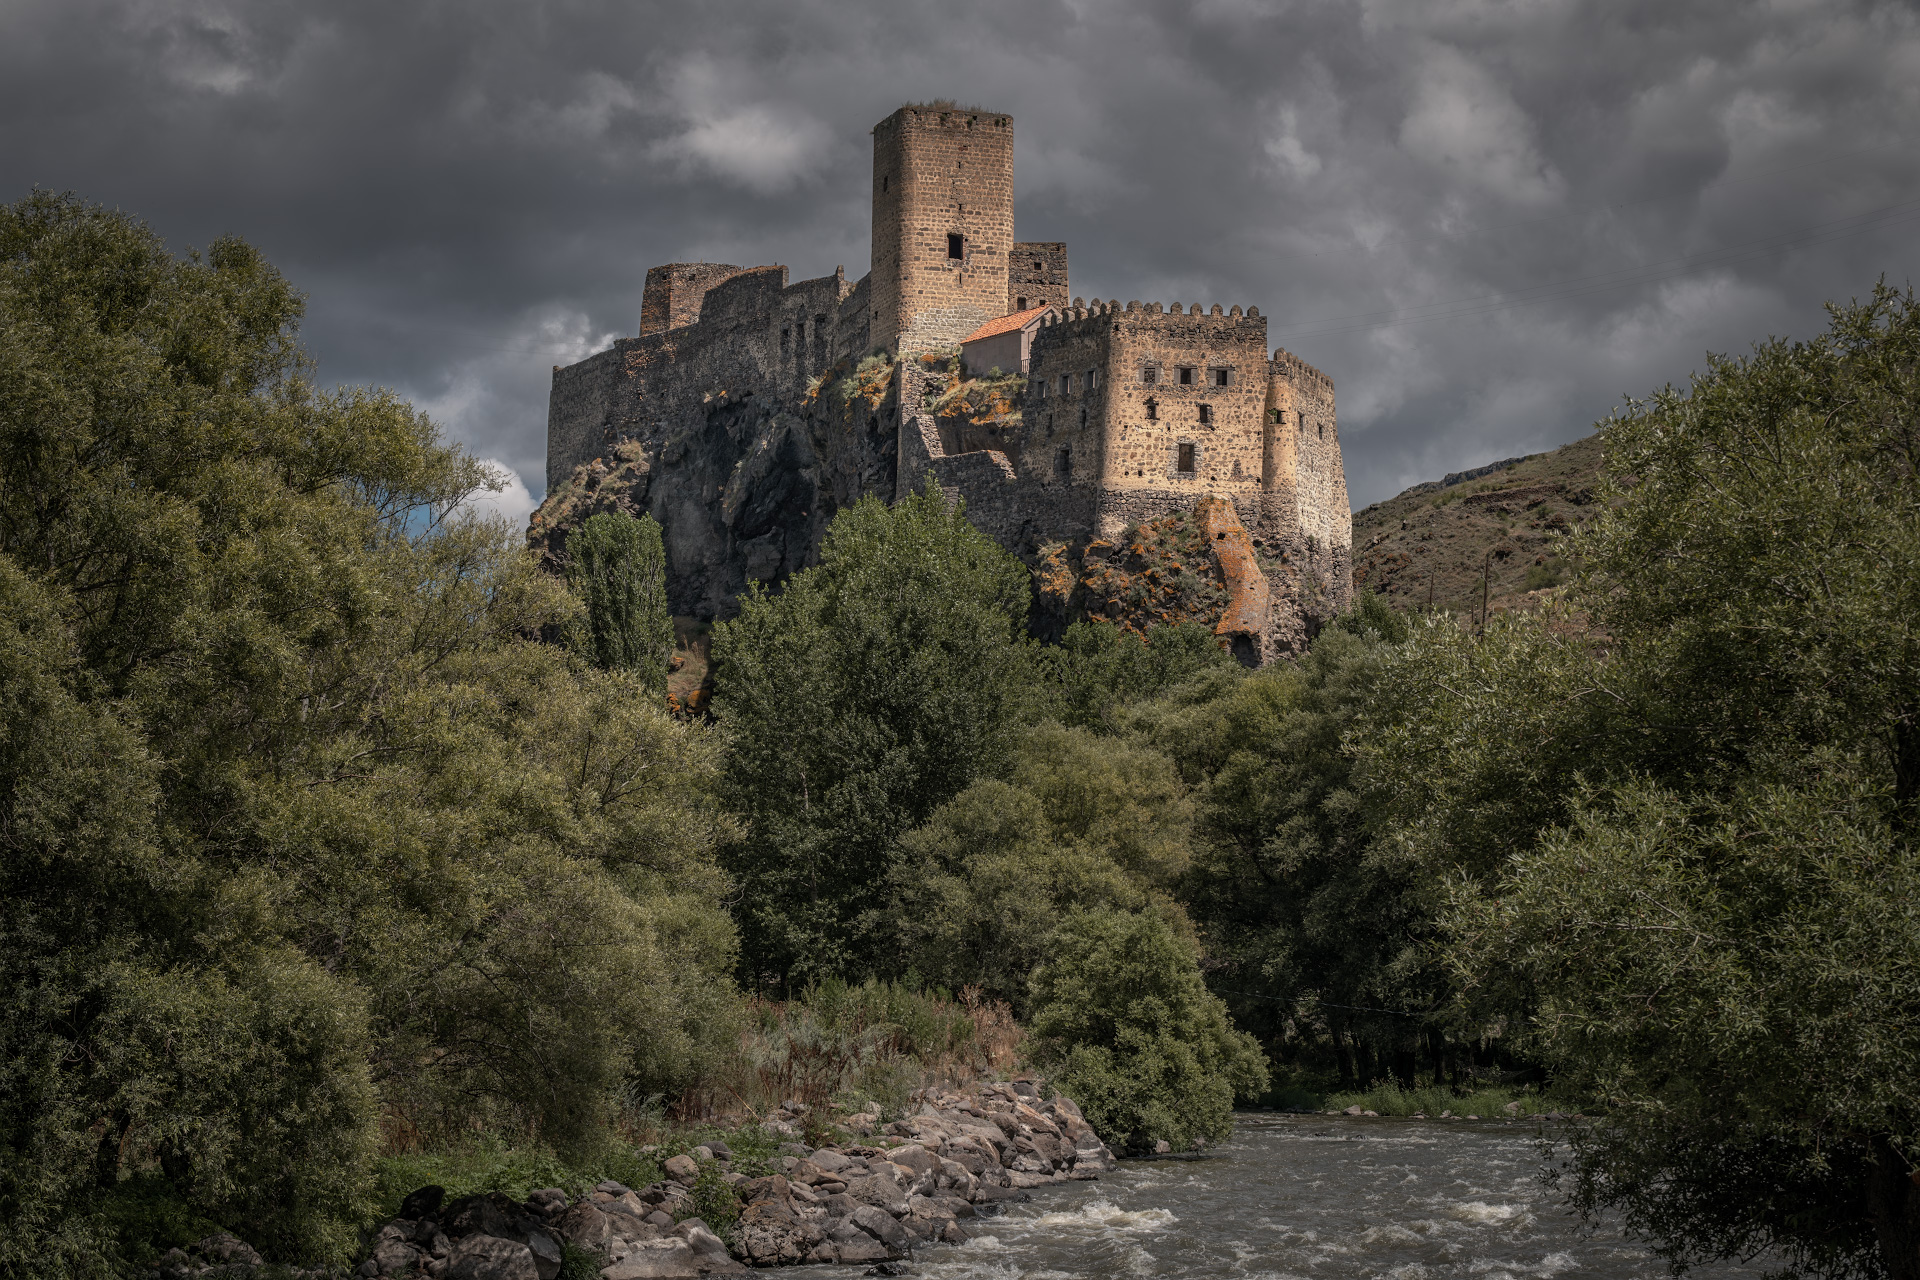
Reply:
x=1125, y=1025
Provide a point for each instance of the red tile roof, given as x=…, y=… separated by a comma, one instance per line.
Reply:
x=1006, y=324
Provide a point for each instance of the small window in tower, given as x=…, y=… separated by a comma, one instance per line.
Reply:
x=786, y=341
x=883, y=182
x=1184, y=461
x=1186, y=375
x=1323, y=431
x=1274, y=415
x=1206, y=415
x=1066, y=384
x=1093, y=379
x=1153, y=410
x=1148, y=374
x=1063, y=464
x=1019, y=304
x=1038, y=266
x=956, y=246
x=1219, y=377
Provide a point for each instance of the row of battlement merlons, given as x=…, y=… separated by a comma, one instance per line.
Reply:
x=1080, y=309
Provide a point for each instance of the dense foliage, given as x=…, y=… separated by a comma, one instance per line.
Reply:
x=1703, y=877
x=870, y=691
x=1126, y=1024
x=300, y=825
x=311, y=849
x=616, y=566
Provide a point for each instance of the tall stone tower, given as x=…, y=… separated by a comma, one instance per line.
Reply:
x=942, y=224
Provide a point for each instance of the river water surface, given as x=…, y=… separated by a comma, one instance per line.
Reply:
x=1310, y=1196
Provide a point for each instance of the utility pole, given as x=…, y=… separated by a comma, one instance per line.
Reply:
x=1486, y=574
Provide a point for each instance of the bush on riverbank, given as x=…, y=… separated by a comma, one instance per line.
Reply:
x=1124, y=1023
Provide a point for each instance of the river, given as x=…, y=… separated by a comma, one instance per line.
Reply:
x=1311, y=1196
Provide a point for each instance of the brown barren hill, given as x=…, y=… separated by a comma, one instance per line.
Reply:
x=1434, y=545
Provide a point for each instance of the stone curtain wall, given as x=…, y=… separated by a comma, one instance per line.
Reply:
x=673, y=293
x=584, y=401
x=936, y=173
x=1037, y=272
x=1009, y=494
x=752, y=333
x=741, y=476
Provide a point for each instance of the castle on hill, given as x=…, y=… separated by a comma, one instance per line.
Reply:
x=750, y=409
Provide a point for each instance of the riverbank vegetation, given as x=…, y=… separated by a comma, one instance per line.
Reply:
x=345, y=847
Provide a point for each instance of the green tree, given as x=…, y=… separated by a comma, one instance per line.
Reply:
x=874, y=688
x=1098, y=669
x=1308, y=922
x=296, y=826
x=1125, y=1025
x=618, y=568
x=1082, y=822
x=1682, y=842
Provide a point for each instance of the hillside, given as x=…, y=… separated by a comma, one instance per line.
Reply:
x=1429, y=546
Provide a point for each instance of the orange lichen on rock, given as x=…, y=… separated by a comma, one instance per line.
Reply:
x=1243, y=622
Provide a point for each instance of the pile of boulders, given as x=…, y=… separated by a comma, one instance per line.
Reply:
x=921, y=1179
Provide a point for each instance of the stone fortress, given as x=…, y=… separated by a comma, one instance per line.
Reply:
x=750, y=409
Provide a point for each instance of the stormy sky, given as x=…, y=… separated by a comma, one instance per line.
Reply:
x=1487, y=221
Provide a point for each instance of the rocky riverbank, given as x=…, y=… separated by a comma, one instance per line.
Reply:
x=920, y=1179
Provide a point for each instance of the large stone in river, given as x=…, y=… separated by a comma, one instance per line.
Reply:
x=771, y=1236
x=482, y=1257
x=666, y=1259
x=882, y=1227
x=879, y=1191
x=831, y=1161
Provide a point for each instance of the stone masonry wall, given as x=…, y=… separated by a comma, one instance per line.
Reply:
x=937, y=173
x=1130, y=428
x=1037, y=275
x=673, y=293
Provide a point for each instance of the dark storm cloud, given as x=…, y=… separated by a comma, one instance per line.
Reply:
x=1486, y=221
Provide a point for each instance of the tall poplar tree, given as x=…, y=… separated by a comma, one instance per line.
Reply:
x=618, y=568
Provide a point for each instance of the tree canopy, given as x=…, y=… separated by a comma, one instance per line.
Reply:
x=300, y=822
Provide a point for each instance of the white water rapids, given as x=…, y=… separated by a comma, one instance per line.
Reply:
x=1309, y=1198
